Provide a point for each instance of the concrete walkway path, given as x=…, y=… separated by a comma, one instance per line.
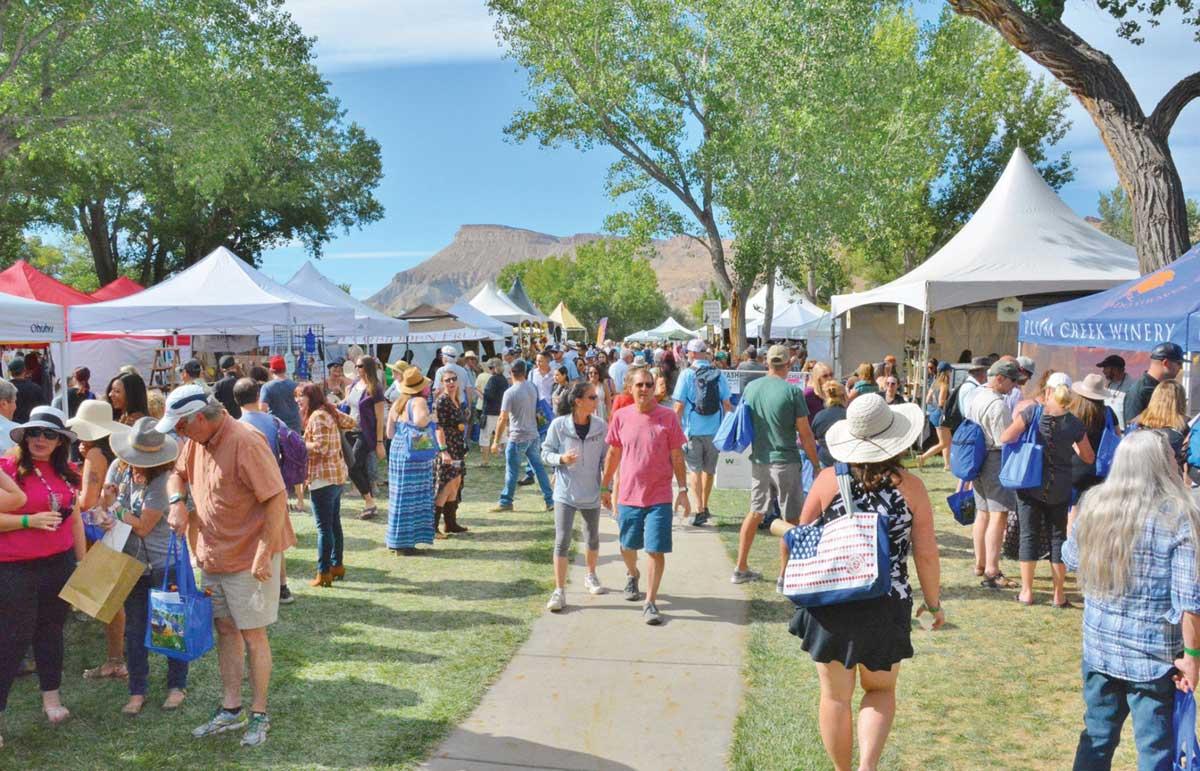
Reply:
x=595, y=688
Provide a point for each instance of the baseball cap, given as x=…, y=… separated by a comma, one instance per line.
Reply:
x=1167, y=352
x=778, y=354
x=944, y=366
x=276, y=364
x=750, y=351
x=183, y=401
x=1112, y=360
x=192, y=367
x=1025, y=363
x=16, y=366
x=697, y=346
x=574, y=346
x=1005, y=368
x=1058, y=379
x=449, y=350
x=980, y=362
x=228, y=362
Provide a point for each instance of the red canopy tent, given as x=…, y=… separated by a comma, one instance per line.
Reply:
x=24, y=280
x=116, y=289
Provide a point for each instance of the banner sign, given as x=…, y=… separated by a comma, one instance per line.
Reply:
x=601, y=328
x=712, y=312
x=1009, y=309
x=1129, y=335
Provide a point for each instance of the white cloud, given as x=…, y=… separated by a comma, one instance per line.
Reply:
x=355, y=34
x=389, y=254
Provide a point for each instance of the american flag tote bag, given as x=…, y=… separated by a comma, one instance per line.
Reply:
x=842, y=560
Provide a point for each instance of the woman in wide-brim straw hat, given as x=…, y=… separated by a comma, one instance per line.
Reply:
x=410, y=480
x=137, y=484
x=867, y=640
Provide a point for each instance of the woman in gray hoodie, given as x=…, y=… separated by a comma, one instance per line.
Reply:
x=575, y=448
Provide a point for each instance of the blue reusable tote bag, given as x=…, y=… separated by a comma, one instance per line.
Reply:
x=416, y=443
x=1022, y=468
x=1186, y=756
x=1108, y=446
x=737, y=430
x=180, y=624
x=962, y=504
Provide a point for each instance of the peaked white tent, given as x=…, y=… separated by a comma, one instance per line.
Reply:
x=668, y=330
x=1022, y=242
x=469, y=315
x=788, y=320
x=219, y=295
x=370, y=325
x=490, y=301
x=785, y=296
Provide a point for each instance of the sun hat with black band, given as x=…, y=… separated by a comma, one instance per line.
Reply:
x=873, y=431
x=184, y=401
x=94, y=420
x=144, y=446
x=413, y=383
x=44, y=417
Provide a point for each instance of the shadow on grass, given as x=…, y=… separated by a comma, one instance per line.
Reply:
x=472, y=590
x=338, y=615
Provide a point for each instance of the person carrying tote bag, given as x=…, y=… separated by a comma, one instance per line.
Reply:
x=864, y=641
x=1044, y=507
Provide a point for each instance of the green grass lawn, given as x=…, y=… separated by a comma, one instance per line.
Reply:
x=998, y=688
x=371, y=673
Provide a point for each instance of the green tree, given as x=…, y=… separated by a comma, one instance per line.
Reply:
x=696, y=310
x=1138, y=143
x=1116, y=215
x=70, y=261
x=608, y=277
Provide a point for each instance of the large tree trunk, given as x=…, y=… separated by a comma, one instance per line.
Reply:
x=764, y=330
x=93, y=223
x=1137, y=144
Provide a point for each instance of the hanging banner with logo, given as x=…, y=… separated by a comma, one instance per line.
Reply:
x=1009, y=309
x=601, y=329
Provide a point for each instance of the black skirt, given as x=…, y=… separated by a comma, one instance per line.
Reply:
x=875, y=633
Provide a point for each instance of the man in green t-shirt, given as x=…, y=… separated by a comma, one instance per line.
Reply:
x=779, y=414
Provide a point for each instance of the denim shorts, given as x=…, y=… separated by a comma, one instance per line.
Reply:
x=646, y=527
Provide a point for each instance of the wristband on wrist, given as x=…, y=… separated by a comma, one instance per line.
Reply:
x=174, y=499
x=931, y=608
x=25, y=522
x=1191, y=652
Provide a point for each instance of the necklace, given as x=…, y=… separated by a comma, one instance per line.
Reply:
x=54, y=502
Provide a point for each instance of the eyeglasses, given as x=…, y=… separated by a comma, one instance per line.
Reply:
x=449, y=380
x=41, y=433
x=643, y=385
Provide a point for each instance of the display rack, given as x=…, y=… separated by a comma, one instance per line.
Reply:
x=302, y=347
x=165, y=371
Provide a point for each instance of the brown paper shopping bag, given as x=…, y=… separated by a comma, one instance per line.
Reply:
x=101, y=582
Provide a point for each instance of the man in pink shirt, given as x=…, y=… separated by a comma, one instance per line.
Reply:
x=647, y=446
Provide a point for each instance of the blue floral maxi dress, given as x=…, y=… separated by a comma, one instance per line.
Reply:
x=410, y=498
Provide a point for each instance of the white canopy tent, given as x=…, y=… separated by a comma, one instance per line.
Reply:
x=469, y=315
x=668, y=330
x=490, y=301
x=219, y=295
x=30, y=321
x=1022, y=241
x=787, y=320
x=785, y=295
x=430, y=325
x=370, y=325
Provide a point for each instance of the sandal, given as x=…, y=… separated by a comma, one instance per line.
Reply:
x=133, y=708
x=57, y=715
x=1064, y=605
x=175, y=698
x=1026, y=603
x=369, y=513
x=998, y=581
x=111, y=669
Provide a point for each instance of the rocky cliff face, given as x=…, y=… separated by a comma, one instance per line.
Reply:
x=479, y=252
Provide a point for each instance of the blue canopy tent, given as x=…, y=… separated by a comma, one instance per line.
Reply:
x=1128, y=319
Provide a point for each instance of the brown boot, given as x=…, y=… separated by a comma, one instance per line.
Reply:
x=451, y=512
x=322, y=579
x=337, y=572
x=438, y=535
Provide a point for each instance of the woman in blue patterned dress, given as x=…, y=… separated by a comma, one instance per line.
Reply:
x=410, y=481
x=867, y=639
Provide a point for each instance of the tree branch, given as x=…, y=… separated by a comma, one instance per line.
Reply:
x=1172, y=103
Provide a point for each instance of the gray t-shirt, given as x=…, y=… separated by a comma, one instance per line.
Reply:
x=520, y=402
x=152, y=548
x=987, y=408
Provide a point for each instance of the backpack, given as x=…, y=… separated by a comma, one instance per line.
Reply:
x=952, y=417
x=708, y=391
x=1193, y=444
x=293, y=455
x=968, y=445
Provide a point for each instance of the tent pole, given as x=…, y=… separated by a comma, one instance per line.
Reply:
x=65, y=363
x=924, y=351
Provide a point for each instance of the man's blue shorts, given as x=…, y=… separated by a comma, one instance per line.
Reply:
x=646, y=527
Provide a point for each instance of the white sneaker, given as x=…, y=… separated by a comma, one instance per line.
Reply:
x=592, y=582
x=557, y=600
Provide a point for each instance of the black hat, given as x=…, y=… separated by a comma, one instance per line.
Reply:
x=193, y=367
x=1167, y=352
x=228, y=362
x=16, y=367
x=1112, y=360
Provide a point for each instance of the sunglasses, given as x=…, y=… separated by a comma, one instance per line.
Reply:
x=449, y=380
x=41, y=433
x=643, y=385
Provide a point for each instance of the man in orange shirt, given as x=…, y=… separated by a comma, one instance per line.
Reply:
x=241, y=517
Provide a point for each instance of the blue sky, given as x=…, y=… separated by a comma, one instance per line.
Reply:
x=427, y=79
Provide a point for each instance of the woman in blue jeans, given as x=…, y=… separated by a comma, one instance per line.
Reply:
x=1134, y=549
x=326, y=474
x=136, y=491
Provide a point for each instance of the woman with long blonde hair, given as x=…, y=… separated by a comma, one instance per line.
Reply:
x=935, y=408
x=1166, y=413
x=1134, y=549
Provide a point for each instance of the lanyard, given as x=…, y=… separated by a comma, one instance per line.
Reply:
x=54, y=502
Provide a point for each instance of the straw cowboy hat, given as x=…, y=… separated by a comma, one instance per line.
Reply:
x=43, y=417
x=1091, y=387
x=873, y=431
x=94, y=420
x=144, y=447
x=413, y=382
x=398, y=367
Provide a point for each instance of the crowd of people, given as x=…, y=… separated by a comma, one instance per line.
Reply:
x=631, y=431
